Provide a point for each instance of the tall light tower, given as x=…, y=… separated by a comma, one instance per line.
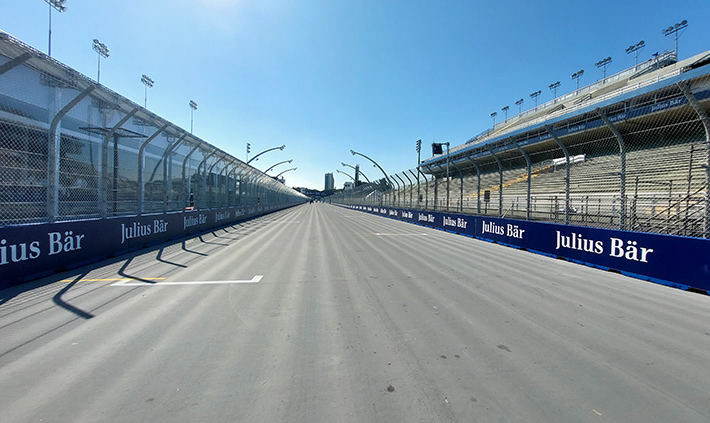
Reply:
x=553, y=87
x=58, y=5
x=674, y=30
x=519, y=103
x=576, y=77
x=193, y=107
x=102, y=51
x=602, y=64
x=535, y=95
x=493, y=116
x=148, y=84
x=505, y=110
x=635, y=49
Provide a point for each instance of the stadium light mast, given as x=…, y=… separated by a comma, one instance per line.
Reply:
x=635, y=49
x=58, y=5
x=193, y=107
x=248, y=150
x=148, y=84
x=576, y=77
x=602, y=64
x=535, y=95
x=505, y=110
x=519, y=103
x=553, y=87
x=102, y=51
x=674, y=30
x=493, y=115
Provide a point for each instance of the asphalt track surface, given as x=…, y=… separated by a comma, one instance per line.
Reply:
x=323, y=314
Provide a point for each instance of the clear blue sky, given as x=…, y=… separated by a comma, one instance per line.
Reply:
x=327, y=76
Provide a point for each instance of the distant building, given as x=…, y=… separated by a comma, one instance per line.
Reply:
x=348, y=185
x=329, y=182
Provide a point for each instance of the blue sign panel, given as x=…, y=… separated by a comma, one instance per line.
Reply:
x=671, y=260
x=31, y=251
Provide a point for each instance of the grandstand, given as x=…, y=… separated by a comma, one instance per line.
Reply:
x=627, y=152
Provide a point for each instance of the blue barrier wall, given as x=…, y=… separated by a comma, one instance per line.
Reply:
x=680, y=262
x=31, y=251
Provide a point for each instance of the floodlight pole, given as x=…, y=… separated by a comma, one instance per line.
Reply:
x=602, y=64
x=193, y=107
x=505, y=110
x=553, y=87
x=493, y=116
x=266, y=151
x=58, y=5
x=102, y=51
x=519, y=103
x=674, y=30
x=576, y=77
x=635, y=49
x=148, y=84
x=535, y=95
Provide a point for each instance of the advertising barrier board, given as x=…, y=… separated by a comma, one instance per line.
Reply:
x=681, y=262
x=31, y=251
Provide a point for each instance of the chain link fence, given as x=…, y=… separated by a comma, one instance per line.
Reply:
x=636, y=162
x=71, y=149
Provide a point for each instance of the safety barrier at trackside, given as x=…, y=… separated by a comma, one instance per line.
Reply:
x=31, y=251
x=680, y=262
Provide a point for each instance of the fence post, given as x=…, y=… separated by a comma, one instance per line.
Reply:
x=622, y=153
x=104, y=162
x=478, y=185
x=141, y=152
x=567, y=174
x=527, y=160
x=500, y=183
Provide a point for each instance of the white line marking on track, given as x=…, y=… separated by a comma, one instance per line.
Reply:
x=128, y=282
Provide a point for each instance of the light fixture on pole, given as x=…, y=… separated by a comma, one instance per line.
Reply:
x=603, y=64
x=148, y=84
x=553, y=87
x=357, y=171
x=102, y=51
x=505, y=109
x=279, y=163
x=493, y=116
x=635, y=49
x=193, y=107
x=287, y=170
x=248, y=150
x=58, y=5
x=535, y=95
x=674, y=30
x=519, y=103
x=576, y=77
x=266, y=151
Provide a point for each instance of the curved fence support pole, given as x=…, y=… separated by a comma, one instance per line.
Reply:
x=622, y=153
x=103, y=209
x=527, y=160
x=53, y=148
x=478, y=185
x=168, y=172
x=411, y=188
x=17, y=61
x=141, y=152
x=426, y=188
x=567, y=175
x=404, y=188
x=685, y=87
x=500, y=182
x=188, y=192
x=461, y=186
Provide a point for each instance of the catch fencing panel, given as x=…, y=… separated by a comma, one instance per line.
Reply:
x=71, y=149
